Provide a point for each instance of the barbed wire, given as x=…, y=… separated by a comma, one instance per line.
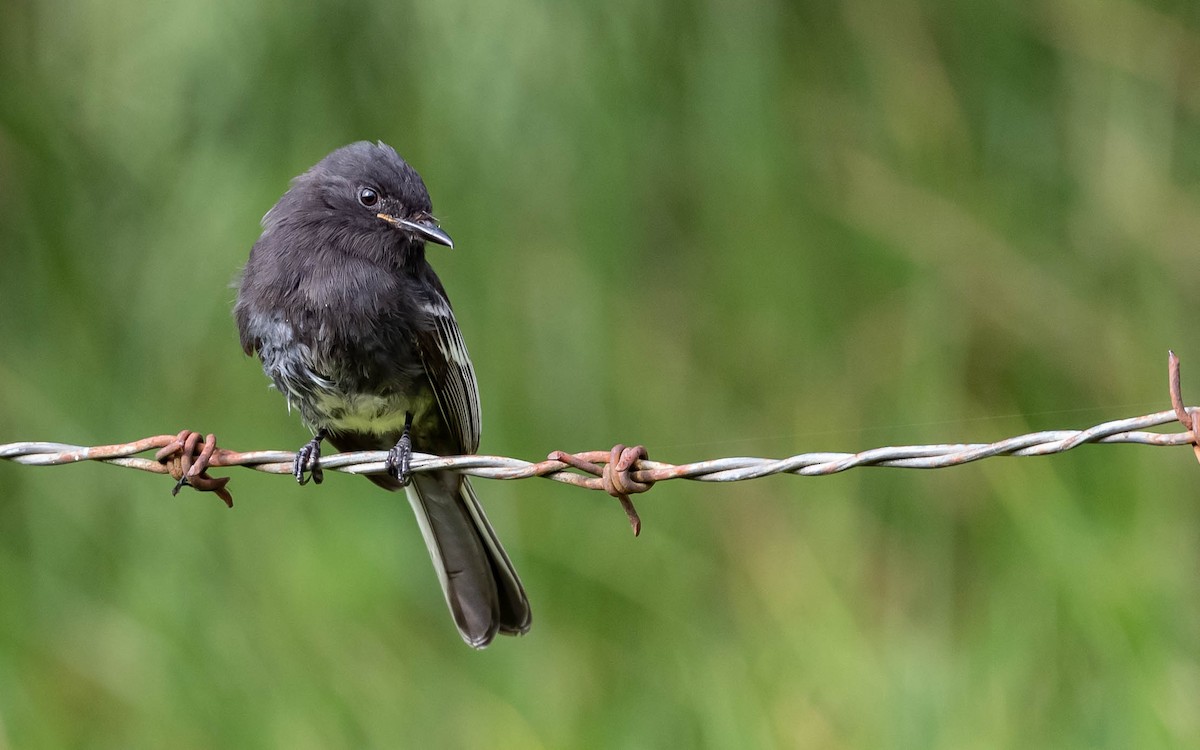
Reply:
x=620, y=471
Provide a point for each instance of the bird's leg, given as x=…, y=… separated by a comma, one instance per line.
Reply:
x=307, y=459
x=400, y=456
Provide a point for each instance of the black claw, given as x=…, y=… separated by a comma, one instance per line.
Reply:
x=399, y=458
x=307, y=460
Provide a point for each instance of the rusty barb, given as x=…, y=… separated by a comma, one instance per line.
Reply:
x=1186, y=417
x=188, y=461
x=615, y=475
x=621, y=472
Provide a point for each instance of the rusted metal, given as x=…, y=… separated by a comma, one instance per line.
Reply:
x=188, y=460
x=612, y=472
x=620, y=471
x=1185, y=417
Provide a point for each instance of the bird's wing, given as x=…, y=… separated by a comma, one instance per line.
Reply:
x=444, y=355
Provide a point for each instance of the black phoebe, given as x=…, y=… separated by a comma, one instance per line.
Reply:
x=355, y=329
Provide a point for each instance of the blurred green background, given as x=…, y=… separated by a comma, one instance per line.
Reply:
x=716, y=228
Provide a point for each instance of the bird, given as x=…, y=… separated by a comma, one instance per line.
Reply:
x=354, y=328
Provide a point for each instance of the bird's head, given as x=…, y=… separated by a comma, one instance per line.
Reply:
x=363, y=191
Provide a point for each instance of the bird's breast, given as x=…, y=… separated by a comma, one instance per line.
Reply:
x=369, y=413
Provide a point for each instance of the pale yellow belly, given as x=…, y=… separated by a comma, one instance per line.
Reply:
x=369, y=413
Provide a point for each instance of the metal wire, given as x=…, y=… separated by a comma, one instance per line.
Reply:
x=732, y=469
x=619, y=472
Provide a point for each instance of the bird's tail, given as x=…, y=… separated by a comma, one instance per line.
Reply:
x=481, y=587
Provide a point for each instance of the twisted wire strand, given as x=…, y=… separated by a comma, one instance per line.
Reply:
x=730, y=469
x=620, y=472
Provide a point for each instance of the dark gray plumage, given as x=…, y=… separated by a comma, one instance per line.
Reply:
x=355, y=329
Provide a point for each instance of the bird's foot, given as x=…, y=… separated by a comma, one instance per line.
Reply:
x=399, y=458
x=308, y=461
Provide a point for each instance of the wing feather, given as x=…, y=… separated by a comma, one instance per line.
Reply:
x=444, y=355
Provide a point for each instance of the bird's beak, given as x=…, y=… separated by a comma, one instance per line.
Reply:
x=427, y=230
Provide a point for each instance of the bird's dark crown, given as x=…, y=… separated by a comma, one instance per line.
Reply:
x=335, y=189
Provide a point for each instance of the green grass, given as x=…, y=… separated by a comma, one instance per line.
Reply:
x=713, y=228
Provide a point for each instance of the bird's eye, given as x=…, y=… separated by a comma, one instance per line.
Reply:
x=368, y=197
